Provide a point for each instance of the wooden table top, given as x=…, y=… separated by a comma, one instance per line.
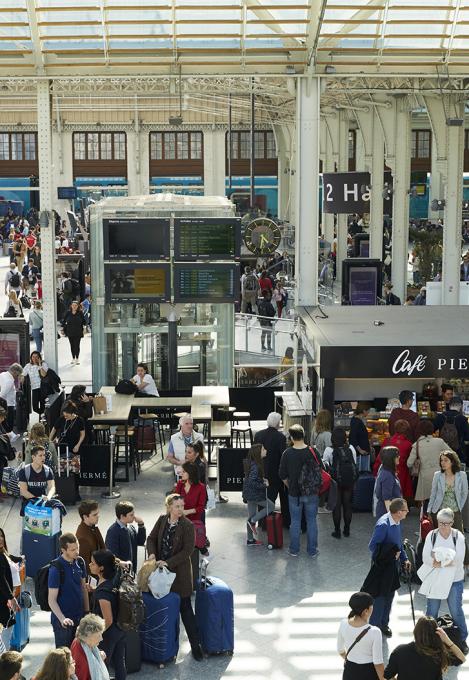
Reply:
x=163, y=402
x=204, y=397
x=121, y=405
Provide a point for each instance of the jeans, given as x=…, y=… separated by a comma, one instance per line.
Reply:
x=381, y=610
x=114, y=645
x=6, y=636
x=64, y=635
x=37, y=337
x=266, y=334
x=310, y=505
x=454, y=601
x=255, y=516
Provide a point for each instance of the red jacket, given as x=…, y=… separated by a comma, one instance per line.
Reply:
x=82, y=670
x=404, y=445
x=194, y=500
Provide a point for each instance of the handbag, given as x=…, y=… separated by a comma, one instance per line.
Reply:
x=160, y=582
x=415, y=469
x=325, y=476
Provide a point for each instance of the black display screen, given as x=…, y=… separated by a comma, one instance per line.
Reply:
x=208, y=237
x=137, y=283
x=68, y=193
x=206, y=283
x=136, y=239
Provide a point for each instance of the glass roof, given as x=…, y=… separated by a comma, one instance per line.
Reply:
x=52, y=34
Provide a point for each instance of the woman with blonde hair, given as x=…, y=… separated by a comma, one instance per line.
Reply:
x=171, y=544
x=321, y=435
x=38, y=437
x=14, y=308
x=58, y=665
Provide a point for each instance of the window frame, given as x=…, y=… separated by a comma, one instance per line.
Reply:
x=83, y=138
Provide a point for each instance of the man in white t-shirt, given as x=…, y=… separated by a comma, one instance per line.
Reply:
x=447, y=537
x=179, y=441
x=8, y=391
x=144, y=382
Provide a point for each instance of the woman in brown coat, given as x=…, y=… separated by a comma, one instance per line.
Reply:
x=171, y=543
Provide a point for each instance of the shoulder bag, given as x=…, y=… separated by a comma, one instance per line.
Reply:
x=415, y=469
x=355, y=642
x=325, y=476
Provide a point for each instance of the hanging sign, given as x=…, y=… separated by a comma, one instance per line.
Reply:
x=350, y=192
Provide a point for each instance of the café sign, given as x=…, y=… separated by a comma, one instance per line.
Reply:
x=390, y=362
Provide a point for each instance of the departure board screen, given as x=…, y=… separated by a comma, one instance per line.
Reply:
x=214, y=238
x=136, y=239
x=137, y=283
x=206, y=283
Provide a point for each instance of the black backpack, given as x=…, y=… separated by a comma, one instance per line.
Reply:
x=126, y=387
x=15, y=280
x=10, y=313
x=449, y=433
x=344, y=468
x=41, y=581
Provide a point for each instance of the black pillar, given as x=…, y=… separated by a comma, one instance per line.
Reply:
x=328, y=394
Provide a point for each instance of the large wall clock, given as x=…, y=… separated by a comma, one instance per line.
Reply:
x=262, y=236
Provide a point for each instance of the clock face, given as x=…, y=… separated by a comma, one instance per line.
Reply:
x=262, y=236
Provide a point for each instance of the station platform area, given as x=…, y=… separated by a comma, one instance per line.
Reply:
x=287, y=610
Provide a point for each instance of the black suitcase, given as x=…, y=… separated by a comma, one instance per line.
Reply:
x=66, y=483
x=363, y=493
x=21, y=413
x=133, y=652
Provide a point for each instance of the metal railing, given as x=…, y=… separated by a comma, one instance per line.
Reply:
x=249, y=333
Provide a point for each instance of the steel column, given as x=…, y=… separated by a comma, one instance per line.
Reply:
x=307, y=179
x=342, y=220
x=377, y=185
x=44, y=143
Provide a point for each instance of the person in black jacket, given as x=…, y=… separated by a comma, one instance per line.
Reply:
x=9, y=580
x=122, y=538
x=454, y=417
x=389, y=297
x=358, y=435
x=72, y=326
x=275, y=444
x=266, y=309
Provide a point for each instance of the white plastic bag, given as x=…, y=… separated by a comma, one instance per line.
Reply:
x=211, y=502
x=160, y=582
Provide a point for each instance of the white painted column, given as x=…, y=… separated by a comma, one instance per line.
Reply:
x=401, y=183
x=143, y=160
x=44, y=139
x=377, y=185
x=62, y=167
x=328, y=166
x=307, y=180
x=133, y=163
x=360, y=150
x=282, y=138
x=214, y=162
x=437, y=183
x=453, y=209
x=342, y=220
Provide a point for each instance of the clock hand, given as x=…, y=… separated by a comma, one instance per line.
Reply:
x=263, y=239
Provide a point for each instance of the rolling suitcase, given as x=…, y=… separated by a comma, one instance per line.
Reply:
x=39, y=550
x=65, y=480
x=145, y=438
x=274, y=528
x=133, y=653
x=159, y=633
x=21, y=629
x=214, y=613
x=363, y=493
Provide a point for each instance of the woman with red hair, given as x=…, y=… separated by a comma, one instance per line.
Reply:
x=401, y=439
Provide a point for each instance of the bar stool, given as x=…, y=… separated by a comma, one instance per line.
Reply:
x=242, y=416
x=101, y=434
x=241, y=429
x=227, y=412
x=153, y=420
x=119, y=441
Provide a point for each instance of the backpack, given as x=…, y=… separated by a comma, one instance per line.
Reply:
x=41, y=581
x=266, y=308
x=310, y=479
x=75, y=287
x=251, y=283
x=344, y=468
x=130, y=606
x=449, y=433
x=15, y=280
x=126, y=387
x=10, y=313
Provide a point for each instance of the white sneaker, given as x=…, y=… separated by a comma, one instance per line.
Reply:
x=77, y=361
x=324, y=511
x=72, y=363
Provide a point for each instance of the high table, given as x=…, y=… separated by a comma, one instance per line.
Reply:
x=204, y=399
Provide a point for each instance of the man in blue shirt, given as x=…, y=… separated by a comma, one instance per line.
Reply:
x=68, y=596
x=387, y=533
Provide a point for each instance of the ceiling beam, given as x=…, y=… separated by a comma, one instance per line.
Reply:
x=35, y=37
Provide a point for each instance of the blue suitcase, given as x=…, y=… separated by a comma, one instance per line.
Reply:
x=214, y=612
x=159, y=633
x=39, y=550
x=20, y=635
x=363, y=493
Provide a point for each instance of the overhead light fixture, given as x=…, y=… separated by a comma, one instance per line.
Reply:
x=330, y=69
